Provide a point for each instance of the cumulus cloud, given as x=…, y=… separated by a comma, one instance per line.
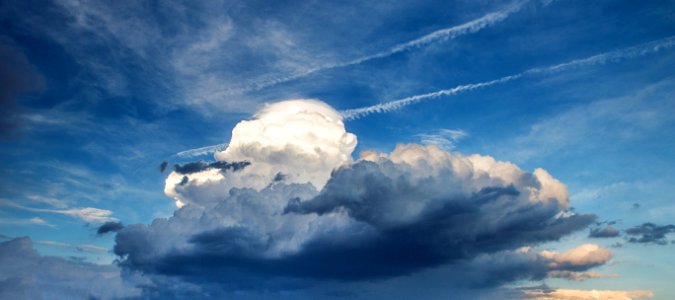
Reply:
x=494, y=269
x=649, y=233
x=25, y=274
x=302, y=139
x=303, y=213
x=304, y=210
x=584, y=255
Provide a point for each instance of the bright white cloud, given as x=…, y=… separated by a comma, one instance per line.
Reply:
x=297, y=141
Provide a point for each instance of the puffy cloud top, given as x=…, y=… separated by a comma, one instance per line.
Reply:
x=303, y=139
x=297, y=141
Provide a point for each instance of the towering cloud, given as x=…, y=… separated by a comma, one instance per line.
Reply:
x=301, y=209
x=302, y=139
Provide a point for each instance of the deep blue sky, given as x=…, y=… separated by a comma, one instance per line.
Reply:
x=95, y=95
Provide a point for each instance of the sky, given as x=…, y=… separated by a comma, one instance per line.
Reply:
x=337, y=150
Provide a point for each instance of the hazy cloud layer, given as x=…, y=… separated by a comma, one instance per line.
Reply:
x=25, y=274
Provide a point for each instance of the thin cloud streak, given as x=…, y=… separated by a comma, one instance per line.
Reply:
x=603, y=58
x=31, y=221
x=89, y=214
x=201, y=151
x=436, y=36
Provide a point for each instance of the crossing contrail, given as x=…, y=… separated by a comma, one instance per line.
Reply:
x=616, y=55
x=436, y=36
x=602, y=58
x=202, y=151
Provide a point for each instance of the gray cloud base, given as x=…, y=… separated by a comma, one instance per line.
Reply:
x=373, y=220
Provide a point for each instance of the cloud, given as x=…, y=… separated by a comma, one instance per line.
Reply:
x=382, y=217
x=109, y=227
x=436, y=36
x=200, y=166
x=25, y=274
x=582, y=257
x=649, y=233
x=579, y=276
x=602, y=58
x=89, y=214
x=569, y=294
x=81, y=247
x=331, y=218
x=303, y=139
x=604, y=232
x=494, y=269
x=582, y=127
x=444, y=138
x=31, y=221
x=202, y=151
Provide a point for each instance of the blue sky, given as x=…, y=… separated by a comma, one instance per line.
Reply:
x=95, y=96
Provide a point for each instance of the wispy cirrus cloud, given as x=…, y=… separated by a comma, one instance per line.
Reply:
x=434, y=37
x=89, y=214
x=443, y=138
x=20, y=221
x=79, y=247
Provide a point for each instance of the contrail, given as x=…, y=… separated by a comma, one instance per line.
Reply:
x=202, y=151
x=436, y=36
x=612, y=56
x=602, y=58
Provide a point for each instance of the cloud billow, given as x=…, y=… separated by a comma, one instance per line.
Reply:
x=382, y=216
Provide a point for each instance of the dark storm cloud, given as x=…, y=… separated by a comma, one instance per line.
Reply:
x=199, y=166
x=382, y=239
x=604, y=232
x=25, y=274
x=109, y=227
x=17, y=75
x=649, y=233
